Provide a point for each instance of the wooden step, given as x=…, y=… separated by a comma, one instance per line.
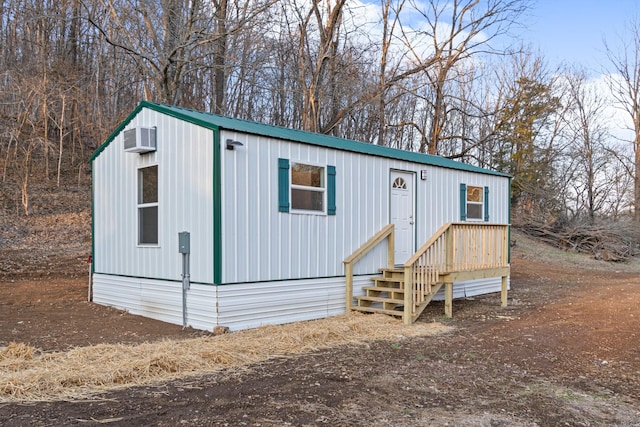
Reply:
x=380, y=299
x=377, y=310
x=383, y=289
x=382, y=282
x=390, y=297
x=392, y=273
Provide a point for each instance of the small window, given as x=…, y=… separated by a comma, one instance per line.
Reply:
x=475, y=203
x=148, y=206
x=307, y=187
x=399, y=183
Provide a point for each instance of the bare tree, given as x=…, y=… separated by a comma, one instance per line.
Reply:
x=170, y=39
x=455, y=31
x=390, y=12
x=626, y=90
x=324, y=20
x=590, y=166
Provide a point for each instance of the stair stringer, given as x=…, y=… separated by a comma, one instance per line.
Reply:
x=420, y=308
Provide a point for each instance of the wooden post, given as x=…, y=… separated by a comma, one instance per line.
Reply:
x=391, y=251
x=408, y=296
x=505, y=261
x=448, y=300
x=505, y=246
x=449, y=249
x=503, y=291
x=349, y=285
x=387, y=231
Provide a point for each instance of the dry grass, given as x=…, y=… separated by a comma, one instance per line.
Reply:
x=27, y=374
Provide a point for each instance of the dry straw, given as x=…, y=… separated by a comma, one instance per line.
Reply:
x=27, y=374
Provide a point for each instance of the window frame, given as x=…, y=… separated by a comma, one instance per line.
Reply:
x=322, y=189
x=141, y=205
x=481, y=204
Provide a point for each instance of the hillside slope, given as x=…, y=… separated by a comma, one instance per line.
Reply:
x=54, y=240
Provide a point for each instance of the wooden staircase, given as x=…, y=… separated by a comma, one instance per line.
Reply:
x=386, y=296
x=455, y=253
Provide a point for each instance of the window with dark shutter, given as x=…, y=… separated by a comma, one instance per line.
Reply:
x=474, y=203
x=305, y=188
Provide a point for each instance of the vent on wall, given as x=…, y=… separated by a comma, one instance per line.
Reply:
x=140, y=140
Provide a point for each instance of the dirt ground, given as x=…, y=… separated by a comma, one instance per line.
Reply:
x=566, y=352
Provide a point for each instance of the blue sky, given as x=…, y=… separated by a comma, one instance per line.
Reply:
x=572, y=31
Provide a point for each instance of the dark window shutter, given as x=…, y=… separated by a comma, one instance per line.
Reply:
x=463, y=202
x=283, y=185
x=486, y=203
x=331, y=190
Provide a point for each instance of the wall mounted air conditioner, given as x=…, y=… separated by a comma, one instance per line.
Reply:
x=140, y=140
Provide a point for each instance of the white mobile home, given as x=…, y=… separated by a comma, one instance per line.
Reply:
x=272, y=214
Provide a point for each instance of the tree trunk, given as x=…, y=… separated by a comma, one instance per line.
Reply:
x=61, y=139
x=636, y=178
x=219, y=56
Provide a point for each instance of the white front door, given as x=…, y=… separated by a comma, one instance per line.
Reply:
x=401, y=212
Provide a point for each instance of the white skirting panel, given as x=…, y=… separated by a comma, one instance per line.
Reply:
x=250, y=305
x=470, y=288
x=245, y=305
x=157, y=299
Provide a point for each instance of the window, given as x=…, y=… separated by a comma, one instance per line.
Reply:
x=305, y=187
x=148, y=206
x=400, y=183
x=474, y=203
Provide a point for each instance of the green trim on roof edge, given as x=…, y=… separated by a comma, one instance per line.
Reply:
x=212, y=121
x=119, y=129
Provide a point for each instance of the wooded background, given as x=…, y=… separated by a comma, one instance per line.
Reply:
x=442, y=77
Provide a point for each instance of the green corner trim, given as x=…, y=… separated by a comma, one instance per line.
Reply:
x=217, y=209
x=93, y=222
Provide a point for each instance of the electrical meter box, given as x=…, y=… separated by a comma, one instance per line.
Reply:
x=184, y=242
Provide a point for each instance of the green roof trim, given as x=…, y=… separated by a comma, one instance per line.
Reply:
x=115, y=133
x=212, y=121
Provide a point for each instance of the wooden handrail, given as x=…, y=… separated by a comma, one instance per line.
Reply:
x=370, y=244
x=429, y=243
x=386, y=232
x=456, y=252
x=455, y=247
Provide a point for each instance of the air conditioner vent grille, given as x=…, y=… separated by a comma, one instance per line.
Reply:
x=140, y=140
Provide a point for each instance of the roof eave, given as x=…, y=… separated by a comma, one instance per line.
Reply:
x=212, y=121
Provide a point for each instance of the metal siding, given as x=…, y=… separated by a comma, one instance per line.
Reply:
x=261, y=244
x=122, y=292
x=483, y=286
x=185, y=199
x=438, y=199
x=157, y=299
x=250, y=305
